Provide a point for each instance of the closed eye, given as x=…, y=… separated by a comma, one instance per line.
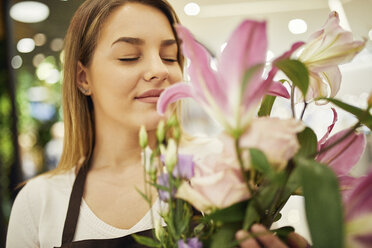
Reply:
x=170, y=60
x=129, y=59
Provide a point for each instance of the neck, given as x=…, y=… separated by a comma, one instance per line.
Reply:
x=117, y=147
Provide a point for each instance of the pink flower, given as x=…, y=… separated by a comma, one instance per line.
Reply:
x=358, y=215
x=218, y=182
x=276, y=138
x=343, y=156
x=325, y=50
x=226, y=94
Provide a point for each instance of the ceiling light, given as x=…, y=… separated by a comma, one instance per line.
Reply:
x=53, y=77
x=39, y=39
x=192, y=9
x=38, y=58
x=16, y=62
x=56, y=45
x=29, y=11
x=297, y=26
x=25, y=45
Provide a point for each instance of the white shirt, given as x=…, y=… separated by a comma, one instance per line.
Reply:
x=39, y=211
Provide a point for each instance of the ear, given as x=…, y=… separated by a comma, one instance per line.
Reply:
x=82, y=79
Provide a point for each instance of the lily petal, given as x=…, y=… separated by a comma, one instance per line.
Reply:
x=257, y=90
x=172, y=94
x=360, y=200
x=347, y=184
x=342, y=157
x=329, y=130
x=321, y=77
x=203, y=78
x=278, y=89
x=246, y=47
x=289, y=53
x=331, y=45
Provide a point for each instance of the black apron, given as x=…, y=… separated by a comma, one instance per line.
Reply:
x=72, y=218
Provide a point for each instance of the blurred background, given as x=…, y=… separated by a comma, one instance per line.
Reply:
x=31, y=43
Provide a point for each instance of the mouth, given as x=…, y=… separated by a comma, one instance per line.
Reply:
x=150, y=96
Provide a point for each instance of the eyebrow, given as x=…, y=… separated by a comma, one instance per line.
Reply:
x=138, y=41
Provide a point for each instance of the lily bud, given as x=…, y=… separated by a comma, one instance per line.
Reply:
x=160, y=132
x=150, y=167
x=143, y=137
x=176, y=133
x=159, y=230
x=370, y=100
x=172, y=121
x=171, y=155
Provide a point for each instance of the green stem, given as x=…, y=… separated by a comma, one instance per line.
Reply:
x=276, y=206
x=303, y=110
x=241, y=164
x=292, y=101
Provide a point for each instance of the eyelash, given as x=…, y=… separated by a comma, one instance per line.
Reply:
x=129, y=59
x=135, y=59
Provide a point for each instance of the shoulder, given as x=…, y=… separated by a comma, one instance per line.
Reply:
x=48, y=185
x=38, y=208
x=45, y=190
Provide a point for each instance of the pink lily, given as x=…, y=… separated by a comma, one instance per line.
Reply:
x=221, y=93
x=343, y=156
x=358, y=214
x=325, y=50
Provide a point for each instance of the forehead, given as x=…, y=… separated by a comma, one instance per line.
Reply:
x=136, y=20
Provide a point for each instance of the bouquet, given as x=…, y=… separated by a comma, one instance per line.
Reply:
x=209, y=188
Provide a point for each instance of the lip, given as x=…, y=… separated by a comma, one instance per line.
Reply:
x=150, y=96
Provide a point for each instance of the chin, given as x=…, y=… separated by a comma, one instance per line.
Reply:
x=151, y=121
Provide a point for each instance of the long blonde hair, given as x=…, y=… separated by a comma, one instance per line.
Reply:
x=80, y=43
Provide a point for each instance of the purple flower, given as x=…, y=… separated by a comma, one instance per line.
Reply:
x=163, y=180
x=191, y=243
x=184, y=168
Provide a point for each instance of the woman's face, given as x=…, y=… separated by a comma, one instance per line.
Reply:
x=135, y=58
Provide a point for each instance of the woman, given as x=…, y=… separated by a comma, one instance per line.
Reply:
x=119, y=56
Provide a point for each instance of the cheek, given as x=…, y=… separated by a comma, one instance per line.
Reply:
x=175, y=75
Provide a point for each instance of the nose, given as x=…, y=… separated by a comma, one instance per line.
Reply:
x=156, y=70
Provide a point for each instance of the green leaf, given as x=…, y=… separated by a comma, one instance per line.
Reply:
x=144, y=196
x=251, y=216
x=266, y=106
x=363, y=115
x=233, y=213
x=225, y=236
x=308, y=141
x=260, y=162
x=322, y=203
x=143, y=240
x=296, y=71
x=283, y=232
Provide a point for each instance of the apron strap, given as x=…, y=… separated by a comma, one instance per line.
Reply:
x=74, y=204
